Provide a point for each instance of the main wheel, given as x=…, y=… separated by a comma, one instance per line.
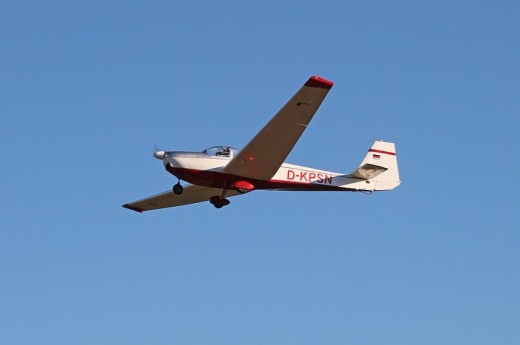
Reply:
x=218, y=202
x=178, y=189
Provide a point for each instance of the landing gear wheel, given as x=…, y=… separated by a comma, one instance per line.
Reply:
x=177, y=188
x=219, y=202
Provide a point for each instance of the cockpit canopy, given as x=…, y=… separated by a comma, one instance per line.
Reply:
x=221, y=151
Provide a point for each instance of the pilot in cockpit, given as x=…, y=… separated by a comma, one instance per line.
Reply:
x=224, y=152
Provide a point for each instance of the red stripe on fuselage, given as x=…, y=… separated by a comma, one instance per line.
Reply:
x=222, y=180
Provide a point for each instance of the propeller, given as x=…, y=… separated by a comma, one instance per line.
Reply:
x=157, y=152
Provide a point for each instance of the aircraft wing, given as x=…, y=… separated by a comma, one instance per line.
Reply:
x=262, y=157
x=191, y=195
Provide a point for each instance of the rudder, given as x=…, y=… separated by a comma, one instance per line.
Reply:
x=381, y=160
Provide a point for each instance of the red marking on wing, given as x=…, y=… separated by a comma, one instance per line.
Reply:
x=316, y=81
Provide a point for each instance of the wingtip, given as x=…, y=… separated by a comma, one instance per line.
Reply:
x=316, y=81
x=133, y=208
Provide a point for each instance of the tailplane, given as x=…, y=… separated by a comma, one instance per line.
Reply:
x=379, y=167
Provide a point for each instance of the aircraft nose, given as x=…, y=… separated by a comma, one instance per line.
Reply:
x=159, y=154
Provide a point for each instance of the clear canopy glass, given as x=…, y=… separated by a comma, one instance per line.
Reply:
x=221, y=151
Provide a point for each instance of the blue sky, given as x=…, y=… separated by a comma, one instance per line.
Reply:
x=88, y=88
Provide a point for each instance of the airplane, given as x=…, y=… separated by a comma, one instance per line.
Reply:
x=221, y=172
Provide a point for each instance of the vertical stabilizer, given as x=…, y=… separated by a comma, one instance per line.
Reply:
x=383, y=155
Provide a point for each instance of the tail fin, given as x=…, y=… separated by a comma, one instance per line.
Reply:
x=380, y=166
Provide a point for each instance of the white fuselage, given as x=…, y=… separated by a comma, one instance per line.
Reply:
x=289, y=176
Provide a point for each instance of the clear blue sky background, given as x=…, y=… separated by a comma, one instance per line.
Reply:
x=88, y=87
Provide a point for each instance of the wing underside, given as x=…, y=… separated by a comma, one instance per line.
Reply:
x=265, y=153
x=192, y=194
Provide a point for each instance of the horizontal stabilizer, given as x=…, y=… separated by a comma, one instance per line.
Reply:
x=368, y=171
